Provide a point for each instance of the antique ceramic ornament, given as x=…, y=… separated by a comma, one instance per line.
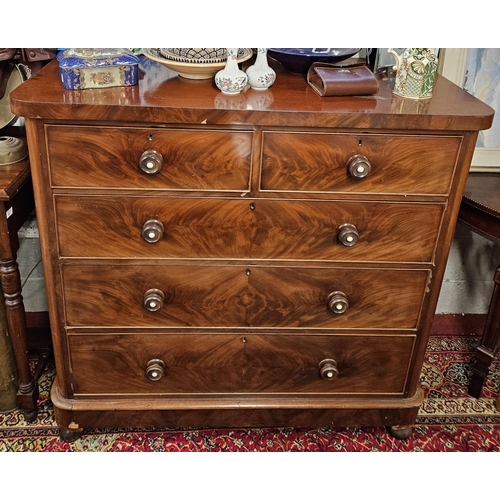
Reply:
x=97, y=68
x=193, y=69
x=231, y=80
x=415, y=73
x=260, y=75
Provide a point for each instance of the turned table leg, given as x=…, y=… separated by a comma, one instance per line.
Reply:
x=489, y=342
x=27, y=395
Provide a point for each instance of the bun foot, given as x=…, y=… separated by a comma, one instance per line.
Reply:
x=69, y=435
x=30, y=415
x=400, y=431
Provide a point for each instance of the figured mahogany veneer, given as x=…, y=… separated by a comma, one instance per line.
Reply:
x=242, y=296
x=227, y=364
x=238, y=229
x=212, y=260
x=324, y=157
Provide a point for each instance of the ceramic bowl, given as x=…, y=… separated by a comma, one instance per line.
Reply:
x=299, y=60
x=194, y=70
x=195, y=55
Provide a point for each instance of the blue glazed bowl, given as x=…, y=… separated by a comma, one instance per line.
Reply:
x=299, y=60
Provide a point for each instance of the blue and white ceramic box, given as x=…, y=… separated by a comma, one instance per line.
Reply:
x=97, y=68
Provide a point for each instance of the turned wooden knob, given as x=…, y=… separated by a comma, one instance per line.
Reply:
x=155, y=369
x=338, y=303
x=153, y=299
x=348, y=235
x=151, y=161
x=359, y=166
x=152, y=231
x=328, y=369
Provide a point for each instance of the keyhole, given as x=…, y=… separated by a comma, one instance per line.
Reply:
x=150, y=137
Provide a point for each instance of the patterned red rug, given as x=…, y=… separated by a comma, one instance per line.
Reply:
x=449, y=420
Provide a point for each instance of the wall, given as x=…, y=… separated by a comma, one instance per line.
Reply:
x=468, y=280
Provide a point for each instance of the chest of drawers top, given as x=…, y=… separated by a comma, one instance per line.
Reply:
x=161, y=97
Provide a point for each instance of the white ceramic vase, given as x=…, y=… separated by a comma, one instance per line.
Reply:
x=231, y=80
x=260, y=75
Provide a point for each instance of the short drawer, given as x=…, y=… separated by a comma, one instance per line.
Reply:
x=319, y=162
x=155, y=227
x=190, y=296
x=231, y=364
x=100, y=157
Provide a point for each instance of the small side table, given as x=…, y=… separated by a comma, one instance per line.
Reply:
x=480, y=210
x=17, y=203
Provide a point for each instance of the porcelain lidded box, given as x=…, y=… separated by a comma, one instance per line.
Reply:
x=97, y=68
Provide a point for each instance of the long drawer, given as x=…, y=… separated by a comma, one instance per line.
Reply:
x=166, y=296
x=227, y=363
x=418, y=164
x=156, y=227
x=100, y=157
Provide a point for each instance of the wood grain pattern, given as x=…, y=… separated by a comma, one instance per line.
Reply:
x=242, y=229
x=294, y=161
x=239, y=296
x=109, y=157
x=116, y=364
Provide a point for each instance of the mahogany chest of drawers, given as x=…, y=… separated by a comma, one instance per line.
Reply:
x=218, y=260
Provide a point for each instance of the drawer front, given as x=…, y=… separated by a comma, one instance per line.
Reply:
x=319, y=162
x=241, y=229
x=226, y=363
x=238, y=296
x=110, y=157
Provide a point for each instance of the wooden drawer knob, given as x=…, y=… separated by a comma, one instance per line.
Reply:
x=348, y=235
x=155, y=369
x=328, y=369
x=359, y=166
x=151, y=162
x=153, y=300
x=152, y=231
x=338, y=303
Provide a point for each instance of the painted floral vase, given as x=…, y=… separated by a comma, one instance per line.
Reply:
x=260, y=75
x=231, y=80
x=415, y=73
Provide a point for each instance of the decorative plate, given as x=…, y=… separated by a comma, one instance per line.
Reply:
x=300, y=60
x=194, y=70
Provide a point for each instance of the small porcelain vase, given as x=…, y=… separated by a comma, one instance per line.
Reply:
x=260, y=75
x=231, y=80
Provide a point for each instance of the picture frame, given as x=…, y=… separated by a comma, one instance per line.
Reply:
x=477, y=70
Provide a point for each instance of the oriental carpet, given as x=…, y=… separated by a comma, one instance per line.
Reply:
x=449, y=420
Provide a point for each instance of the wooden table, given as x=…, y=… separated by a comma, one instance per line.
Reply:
x=480, y=210
x=16, y=197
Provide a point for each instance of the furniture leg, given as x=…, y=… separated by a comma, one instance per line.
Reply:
x=27, y=395
x=489, y=342
x=400, y=431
